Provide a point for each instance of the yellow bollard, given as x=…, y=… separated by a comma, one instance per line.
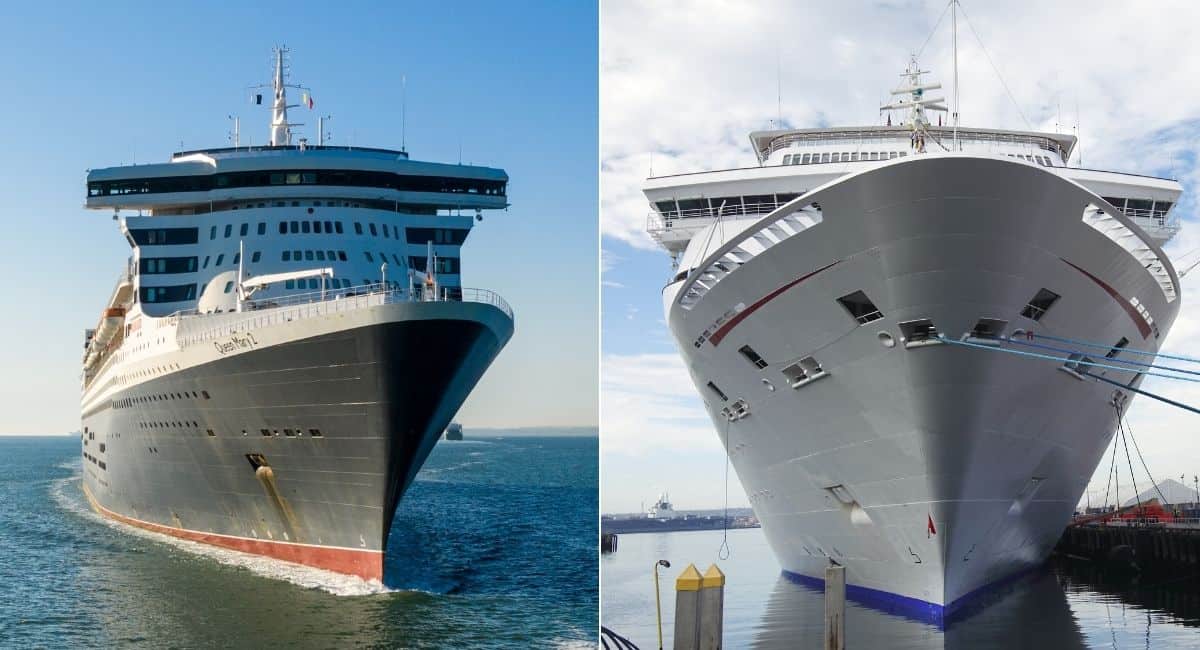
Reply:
x=712, y=608
x=687, y=609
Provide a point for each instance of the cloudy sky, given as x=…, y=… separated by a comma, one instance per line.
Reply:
x=683, y=84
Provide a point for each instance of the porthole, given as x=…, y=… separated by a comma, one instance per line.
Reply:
x=886, y=340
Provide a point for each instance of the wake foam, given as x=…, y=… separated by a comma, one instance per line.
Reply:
x=68, y=494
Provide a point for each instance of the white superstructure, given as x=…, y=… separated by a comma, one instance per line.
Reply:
x=809, y=298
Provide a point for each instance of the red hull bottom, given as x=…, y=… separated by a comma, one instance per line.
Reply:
x=367, y=565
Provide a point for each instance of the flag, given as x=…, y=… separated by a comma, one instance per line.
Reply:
x=930, y=530
x=308, y=101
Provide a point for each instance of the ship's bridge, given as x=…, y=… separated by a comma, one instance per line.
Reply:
x=201, y=181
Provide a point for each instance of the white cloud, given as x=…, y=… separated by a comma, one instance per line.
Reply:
x=648, y=404
x=682, y=87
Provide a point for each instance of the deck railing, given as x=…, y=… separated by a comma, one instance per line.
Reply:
x=194, y=327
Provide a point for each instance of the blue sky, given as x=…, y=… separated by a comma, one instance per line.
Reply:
x=96, y=85
x=688, y=103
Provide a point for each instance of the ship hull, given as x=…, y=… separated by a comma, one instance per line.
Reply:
x=299, y=446
x=928, y=470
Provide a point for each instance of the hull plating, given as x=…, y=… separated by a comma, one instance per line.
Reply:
x=299, y=450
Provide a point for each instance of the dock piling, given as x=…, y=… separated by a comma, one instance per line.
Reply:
x=712, y=608
x=687, y=609
x=835, y=607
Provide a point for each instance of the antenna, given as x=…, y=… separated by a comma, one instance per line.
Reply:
x=778, y=86
x=237, y=131
x=954, y=46
x=281, y=129
x=403, y=112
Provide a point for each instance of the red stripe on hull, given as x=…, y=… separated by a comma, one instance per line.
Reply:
x=1142, y=326
x=367, y=565
x=715, y=339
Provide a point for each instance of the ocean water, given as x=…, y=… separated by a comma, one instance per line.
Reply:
x=494, y=546
x=1066, y=604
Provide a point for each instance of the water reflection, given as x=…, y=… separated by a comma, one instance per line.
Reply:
x=1065, y=604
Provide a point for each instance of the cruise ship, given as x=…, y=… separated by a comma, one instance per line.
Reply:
x=287, y=341
x=844, y=307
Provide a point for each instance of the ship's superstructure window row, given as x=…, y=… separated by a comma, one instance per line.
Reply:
x=164, y=236
x=160, y=265
x=347, y=178
x=840, y=157
x=1141, y=207
x=726, y=206
x=173, y=293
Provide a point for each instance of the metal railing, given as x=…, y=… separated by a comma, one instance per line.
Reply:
x=659, y=221
x=194, y=327
x=869, y=137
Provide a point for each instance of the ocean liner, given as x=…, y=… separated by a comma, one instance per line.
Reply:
x=286, y=343
x=843, y=308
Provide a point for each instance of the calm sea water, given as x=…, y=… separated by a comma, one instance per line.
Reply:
x=494, y=546
x=1065, y=605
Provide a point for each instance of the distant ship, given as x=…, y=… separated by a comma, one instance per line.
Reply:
x=286, y=343
x=454, y=431
x=662, y=517
x=815, y=298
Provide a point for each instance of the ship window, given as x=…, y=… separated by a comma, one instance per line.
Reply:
x=265, y=432
x=220, y=258
x=795, y=374
x=228, y=230
x=212, y=232
x=316, y=225
x=918, y=331
x=289, y=284
x=237, y=257
x=825, y=157
x=988, y=328
x=386, y=232
x=717, y=392
x=308, y=255
x=289, y=433
x=329, y=227
x=837, y=157
x=262, y=227
x=368, y=256
x=228, y=286
x=295, y=228
x=296, y=255
x=752, y=356
x=854, y=157
x=374, y=232
x=860, y=307
x=283, y=228
x=316, y=433
x=305, y=228
x=257, y=256
x=211, y=434
x=342, y=255
x=1112, y=354
x=313, y=283
x=337, y=225
x=357, y=228
x=1040, y=303
x=332, y=255
x=245, y=229
x=320, y=256
x=204, y=393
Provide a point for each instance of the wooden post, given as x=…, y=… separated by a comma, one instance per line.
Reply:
x=835, y=608
x=712, y=608
x=687, y=609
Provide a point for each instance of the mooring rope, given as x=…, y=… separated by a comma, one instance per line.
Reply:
x=1144, y=466
x=723, y=551
x=1143, y=364
x=1035, y=355
x=1105, y=346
